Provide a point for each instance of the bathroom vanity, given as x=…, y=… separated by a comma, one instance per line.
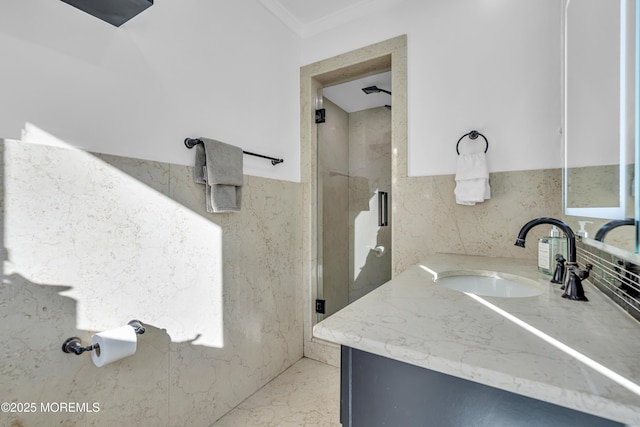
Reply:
x=418, y=353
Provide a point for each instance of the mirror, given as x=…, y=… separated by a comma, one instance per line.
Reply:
x=600, y=173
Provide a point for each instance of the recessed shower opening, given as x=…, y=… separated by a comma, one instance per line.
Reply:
x=354, y=190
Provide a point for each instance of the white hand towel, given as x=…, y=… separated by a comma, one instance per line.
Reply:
x=472, y=179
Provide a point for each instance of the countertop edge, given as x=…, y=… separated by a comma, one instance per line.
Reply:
x=590, y=403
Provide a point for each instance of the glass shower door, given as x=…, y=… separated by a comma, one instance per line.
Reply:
x=354, y=199
x=333, y=209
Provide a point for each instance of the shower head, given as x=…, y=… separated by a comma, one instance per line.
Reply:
x=374, y=89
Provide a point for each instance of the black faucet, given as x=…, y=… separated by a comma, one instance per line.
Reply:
x=611, y=225
x=573, y=289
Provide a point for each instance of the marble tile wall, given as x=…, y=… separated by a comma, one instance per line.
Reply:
x=93, y=241
x=370, y=172
x=594, y=186
x=427, y=219
x=598, y=186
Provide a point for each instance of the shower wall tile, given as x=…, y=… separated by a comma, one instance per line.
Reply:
x=370, y=172
x=93, y=241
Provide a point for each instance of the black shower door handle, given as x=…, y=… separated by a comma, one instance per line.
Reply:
x=383, y=208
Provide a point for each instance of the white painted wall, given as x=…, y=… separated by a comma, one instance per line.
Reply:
x=230, y=70
x=226, y=70
x=490, y=65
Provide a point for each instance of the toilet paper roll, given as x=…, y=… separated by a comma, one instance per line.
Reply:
x=113, y=345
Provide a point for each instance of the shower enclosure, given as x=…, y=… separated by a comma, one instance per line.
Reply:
x=354, y=200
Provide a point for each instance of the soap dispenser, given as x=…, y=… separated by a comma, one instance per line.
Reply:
x=548, y=248
x=583, y=232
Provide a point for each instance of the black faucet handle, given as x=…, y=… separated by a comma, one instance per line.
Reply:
x=560, y=270
x=583, y=273
x=573, y=289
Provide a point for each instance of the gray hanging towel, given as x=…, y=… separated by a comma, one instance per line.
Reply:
x=219, y=167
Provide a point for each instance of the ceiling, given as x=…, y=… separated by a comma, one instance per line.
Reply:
x=308, y=17
x=308, y=11
x=350, y=97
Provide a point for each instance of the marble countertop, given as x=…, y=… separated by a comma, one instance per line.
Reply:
x=581, y=355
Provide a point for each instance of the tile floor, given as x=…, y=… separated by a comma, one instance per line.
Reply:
x=305, y=395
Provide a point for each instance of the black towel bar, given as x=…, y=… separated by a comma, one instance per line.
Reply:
x=192, y=142
x=474, y=134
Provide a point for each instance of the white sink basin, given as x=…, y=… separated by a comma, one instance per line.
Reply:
x=490, y=284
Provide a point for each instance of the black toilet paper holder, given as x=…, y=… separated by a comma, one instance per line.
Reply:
x=74, y=344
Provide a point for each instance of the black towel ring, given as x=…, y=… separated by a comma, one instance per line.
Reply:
x=473, y=135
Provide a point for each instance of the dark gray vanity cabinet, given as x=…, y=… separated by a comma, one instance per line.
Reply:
x=377, y=391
